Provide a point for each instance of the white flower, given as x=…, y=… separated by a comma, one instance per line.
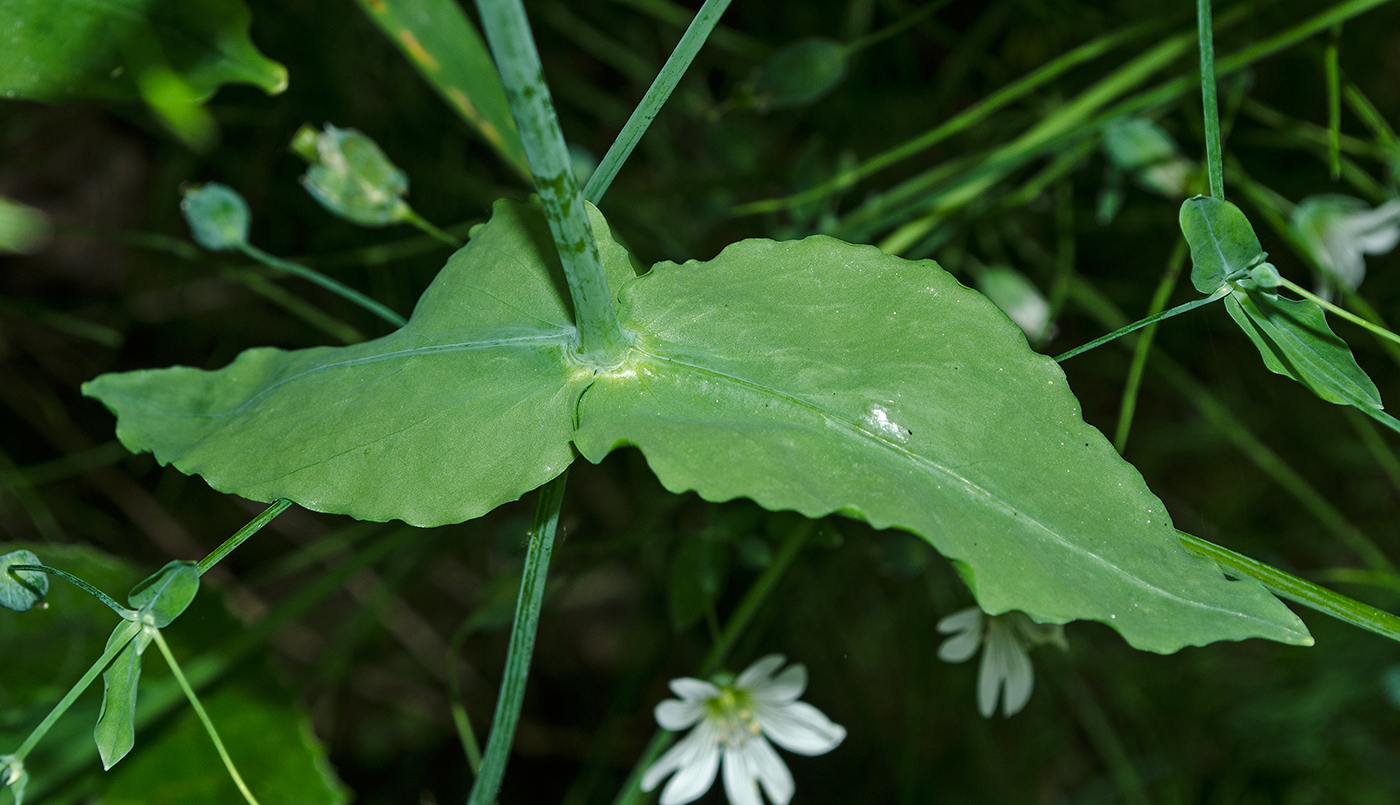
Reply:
x=1005, y=664
x=733, y=722
x=1339, y=229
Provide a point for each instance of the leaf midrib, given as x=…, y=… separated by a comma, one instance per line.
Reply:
x=934, y=466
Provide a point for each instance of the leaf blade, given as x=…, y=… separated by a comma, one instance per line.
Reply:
x=824, y=377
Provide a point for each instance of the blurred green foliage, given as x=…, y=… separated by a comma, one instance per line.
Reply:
x=1239, y=455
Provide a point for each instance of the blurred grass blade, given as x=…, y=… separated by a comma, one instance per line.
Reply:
x=442, y=43
x=695, y=35
x=960, y=122
x=1292, y=588
x=1332, y=69
x=1210, y=109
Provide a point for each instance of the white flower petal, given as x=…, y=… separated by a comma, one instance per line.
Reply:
x=799, y=727
x=960, y=647
x=994, y=670
x=1020, y=679
x=784, y=688
x=693, y=690
x=1378, y=241
x=676, y=715
x=770, y=770
x=697, y=769
x=961, y=621
x=761, y=672
x=669, y=762
x=739, y=783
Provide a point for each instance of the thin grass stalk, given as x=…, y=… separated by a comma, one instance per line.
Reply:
x=1210, y=108
x=666, y=80
x=522, y=643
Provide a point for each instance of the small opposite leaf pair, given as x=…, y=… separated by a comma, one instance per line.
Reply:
x=1292, y=337
x=158, y=600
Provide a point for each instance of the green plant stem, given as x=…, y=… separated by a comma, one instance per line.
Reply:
x=1219, y=416
x=203, y=716
x=631, y=792
x=124, y=612
x=676, y=65
x=895, y=28
x=460, y=719
x=522, y=640
x=316, y=277
x=1346, y=314
x=962, y=121
x=411, y=216
x=1143, y=347
x=1214, y=165
x=127, y=631
x=254, y=526
x=1371, y=116
x=1286, y=585
x=507, y=30
x=1332, y=69
x=1141, y=323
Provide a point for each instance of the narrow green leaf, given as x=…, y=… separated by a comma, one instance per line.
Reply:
x=116, y=723
x=825, y=377
x=217, y=215
x=442, y=43
x=165, y=594
x=1295, y=341
x=72, y=51
x=800, y=73
x=22, y=589
x=1295, y=589
x=469, y=406
x=1223, y=244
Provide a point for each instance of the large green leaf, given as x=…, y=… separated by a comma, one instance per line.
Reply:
x=813, y=375
x=442, y=43
x=1295, y=341
x=825, y=377
x=57, y=51
x=468, y=406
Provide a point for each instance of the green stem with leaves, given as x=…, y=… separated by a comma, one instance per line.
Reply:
x=601, y=339
x=522, y=643
x=203, y=717
x=126, y=632
x=695, y=35
x=631, y=792
x=1206, y=37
